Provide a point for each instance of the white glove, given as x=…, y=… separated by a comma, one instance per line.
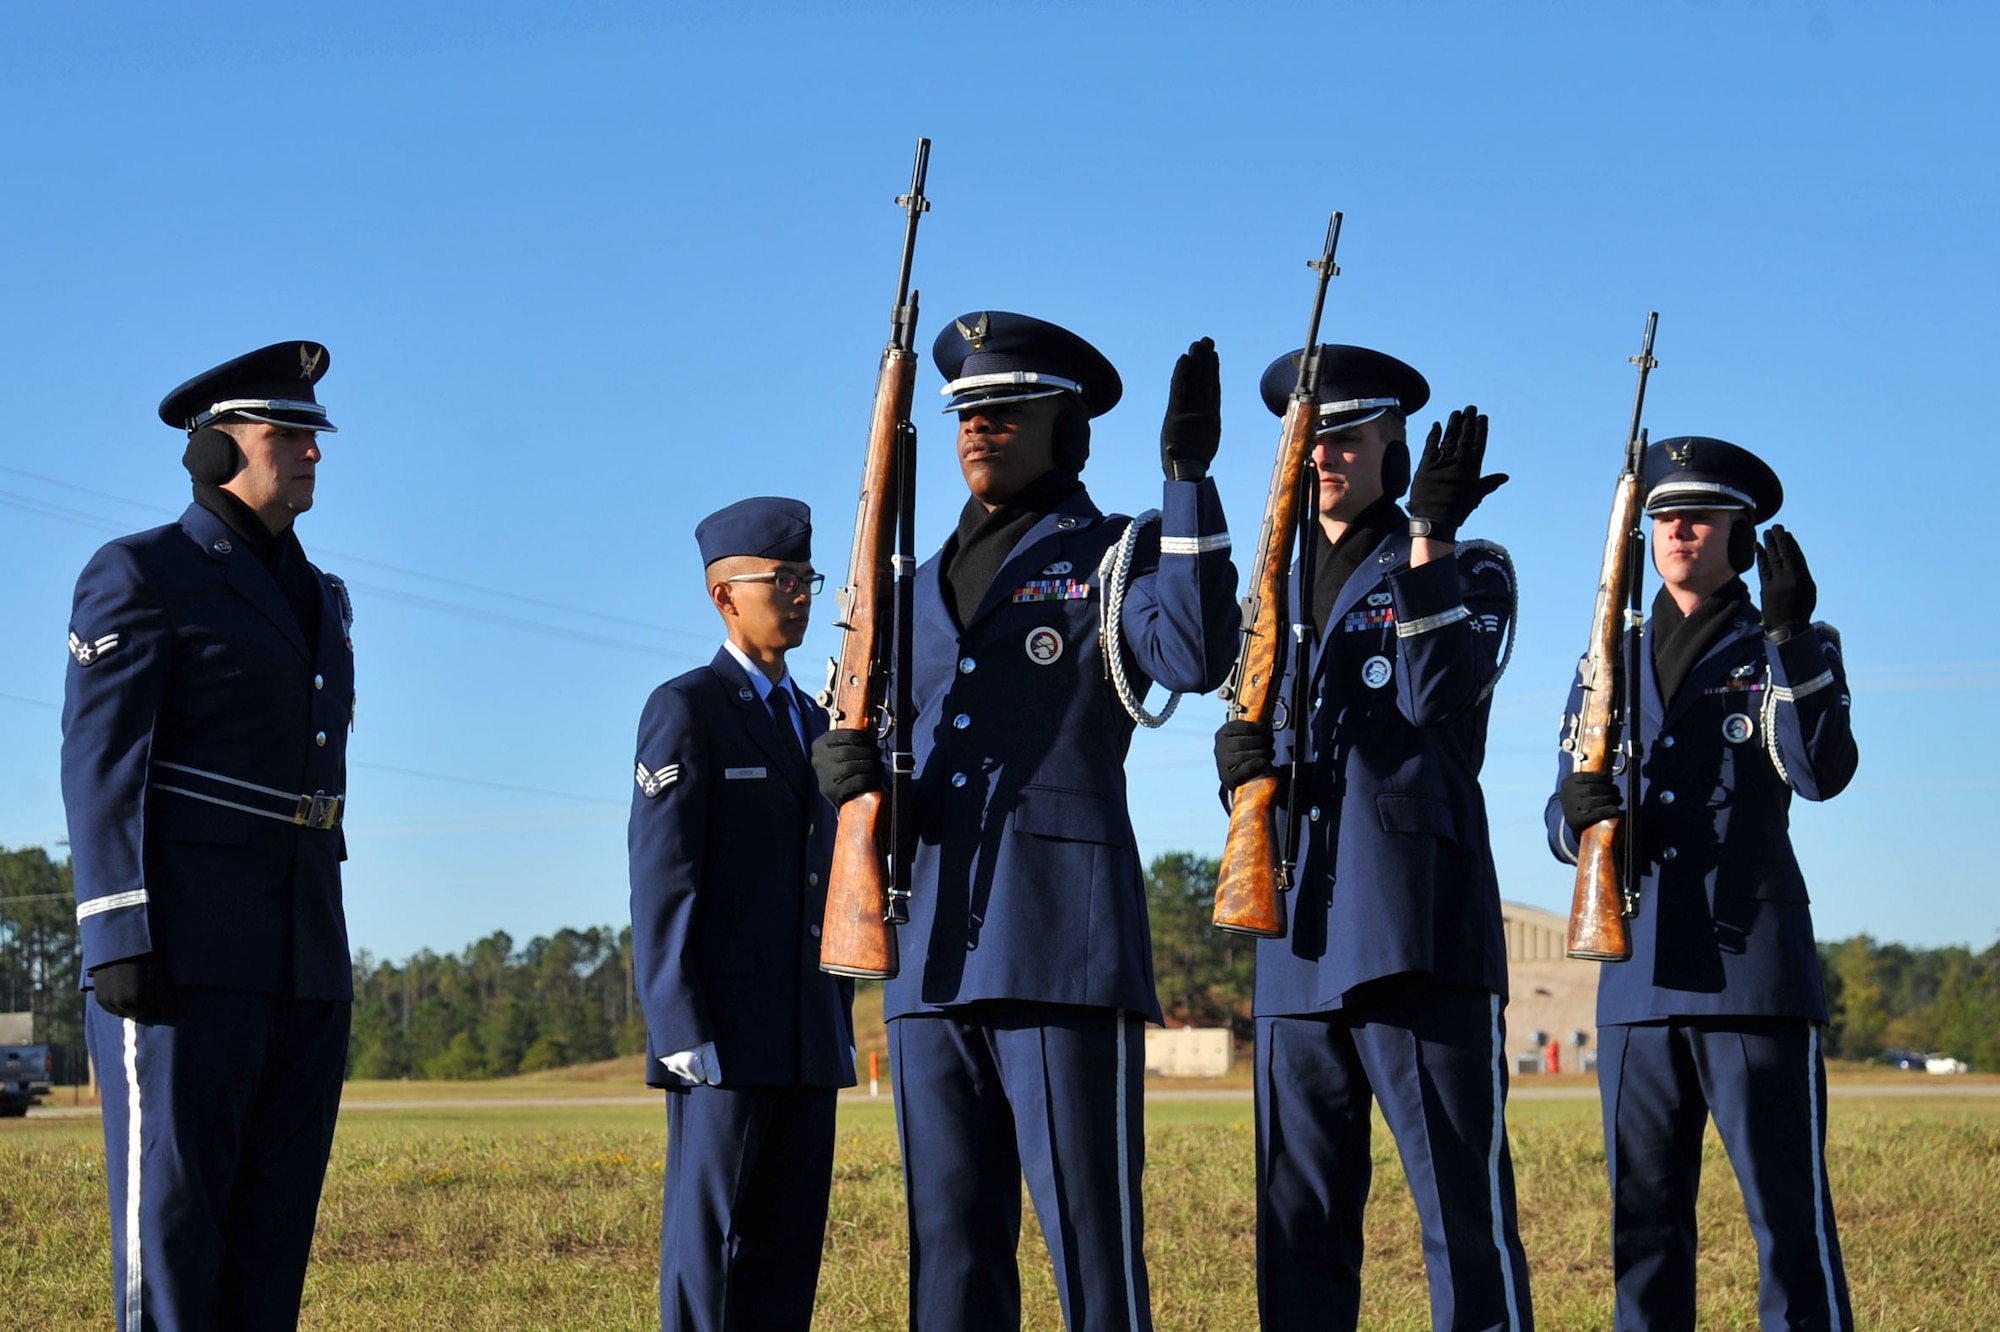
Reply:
x=698, y=1065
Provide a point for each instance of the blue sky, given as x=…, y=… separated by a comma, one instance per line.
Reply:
x=589, y=272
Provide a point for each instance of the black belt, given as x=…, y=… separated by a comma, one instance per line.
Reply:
x=318, y=810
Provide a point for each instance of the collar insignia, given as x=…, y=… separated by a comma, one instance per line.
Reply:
x=976, y=335
x=87, y=652
x=653, y=783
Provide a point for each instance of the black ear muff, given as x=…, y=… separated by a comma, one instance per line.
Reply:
x=212, y=456
x=1070, y=435
x=1395, y=469
x=1743, y=545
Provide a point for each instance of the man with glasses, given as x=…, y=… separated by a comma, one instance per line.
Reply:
x=730, y=843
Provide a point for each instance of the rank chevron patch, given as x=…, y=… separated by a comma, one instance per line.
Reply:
x=88, y=652
x=653, y=783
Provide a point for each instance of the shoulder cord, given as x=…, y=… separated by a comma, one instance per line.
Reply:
x=1114, y=571
x=1499, y=552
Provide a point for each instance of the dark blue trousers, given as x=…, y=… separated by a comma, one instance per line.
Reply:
x=1764, y=1080
x=1435, y=1060
x=994, y=1091
x=743, y=1212
x=217, y=1125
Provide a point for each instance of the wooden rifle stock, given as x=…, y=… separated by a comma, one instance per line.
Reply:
x=855, y=937
x=1254, y=870
x=1608, y=867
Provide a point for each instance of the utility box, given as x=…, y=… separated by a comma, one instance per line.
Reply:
x=1189, y=1052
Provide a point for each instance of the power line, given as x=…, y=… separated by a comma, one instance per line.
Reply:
x=475, y=781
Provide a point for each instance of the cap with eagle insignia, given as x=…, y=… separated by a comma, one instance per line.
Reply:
x=1356, y=385
x=990, y=356
x=273, y=385
x=1697, y=472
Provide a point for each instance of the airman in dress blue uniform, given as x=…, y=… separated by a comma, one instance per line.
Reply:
x=1016, y=1022
x=1391, y=983
x=205, y=719
x=730, y=843
x=1720, y=1009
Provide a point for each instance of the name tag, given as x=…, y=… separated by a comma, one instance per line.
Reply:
x=741, y=774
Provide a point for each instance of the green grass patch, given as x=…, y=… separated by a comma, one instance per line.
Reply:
x=537, y=1217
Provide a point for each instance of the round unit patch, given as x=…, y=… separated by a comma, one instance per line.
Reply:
x=1044, y=646
x=1736, y=728
x=1375, y=672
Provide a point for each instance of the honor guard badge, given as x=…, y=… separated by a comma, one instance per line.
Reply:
x=1059, y=567
x=1044, y=646
x=653, y=783
x=88, y=652
x=1375, y=672
x=1736, y=728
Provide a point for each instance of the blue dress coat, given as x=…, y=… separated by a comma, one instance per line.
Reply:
x=185, y=652
x=730, y=843
x=1027, y=883
x=1393, y=863
x=1724, y=926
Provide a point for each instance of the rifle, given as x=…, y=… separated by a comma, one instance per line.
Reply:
x=868, y=889
x=1256, y=861
x=1608, y=868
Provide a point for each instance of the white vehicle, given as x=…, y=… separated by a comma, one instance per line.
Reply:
x=1945, y=1064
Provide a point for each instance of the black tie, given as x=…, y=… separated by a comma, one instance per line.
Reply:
x=780, y=701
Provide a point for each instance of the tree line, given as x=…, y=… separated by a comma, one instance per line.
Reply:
x=495, y=1010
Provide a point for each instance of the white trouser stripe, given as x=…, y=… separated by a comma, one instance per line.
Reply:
x=1499, y=1136
x=1125, y=1183
x=134, y=1153
x=1819, y=1176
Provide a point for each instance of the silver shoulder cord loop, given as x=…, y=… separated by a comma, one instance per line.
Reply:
x=1114, y=571
x=1499, y=552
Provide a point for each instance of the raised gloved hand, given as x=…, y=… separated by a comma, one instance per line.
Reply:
x=1245, y=750
x=1192, y=431
x=1448, y=486
x=1588, y=799
x=698, y=1065
x=1789, y=594
x=847, y=764
x=134, y=987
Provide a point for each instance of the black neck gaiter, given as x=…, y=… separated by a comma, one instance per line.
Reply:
x=1334, y=562
x=986, y=538
x=1680, y=641
x=281, y=554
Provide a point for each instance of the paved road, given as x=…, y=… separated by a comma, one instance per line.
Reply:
x=1940, y=1090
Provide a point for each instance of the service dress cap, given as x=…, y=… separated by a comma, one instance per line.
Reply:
x=273, y=385
x=990, y=357
x=768, y=527
x=1356, y=385
x=1697, y=472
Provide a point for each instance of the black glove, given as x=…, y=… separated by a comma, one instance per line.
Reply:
x=1588, y=799
x=1789, y=594
x=1245, y=750
x=1192, y=431
x=135, y=988
x=1448, y=486
x=847, y=764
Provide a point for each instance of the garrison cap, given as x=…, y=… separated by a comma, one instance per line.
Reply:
x=990, y=357
x=1696, y=472
x=273, y=384
x=1355, y=385
x=768, y=527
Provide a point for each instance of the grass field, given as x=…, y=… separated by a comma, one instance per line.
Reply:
x=523, y=1216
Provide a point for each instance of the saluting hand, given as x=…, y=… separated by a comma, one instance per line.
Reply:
x=1789, y=594
x=1448, y=486
x=1192, y=431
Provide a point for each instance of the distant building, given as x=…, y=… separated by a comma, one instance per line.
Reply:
x=1548, y=993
